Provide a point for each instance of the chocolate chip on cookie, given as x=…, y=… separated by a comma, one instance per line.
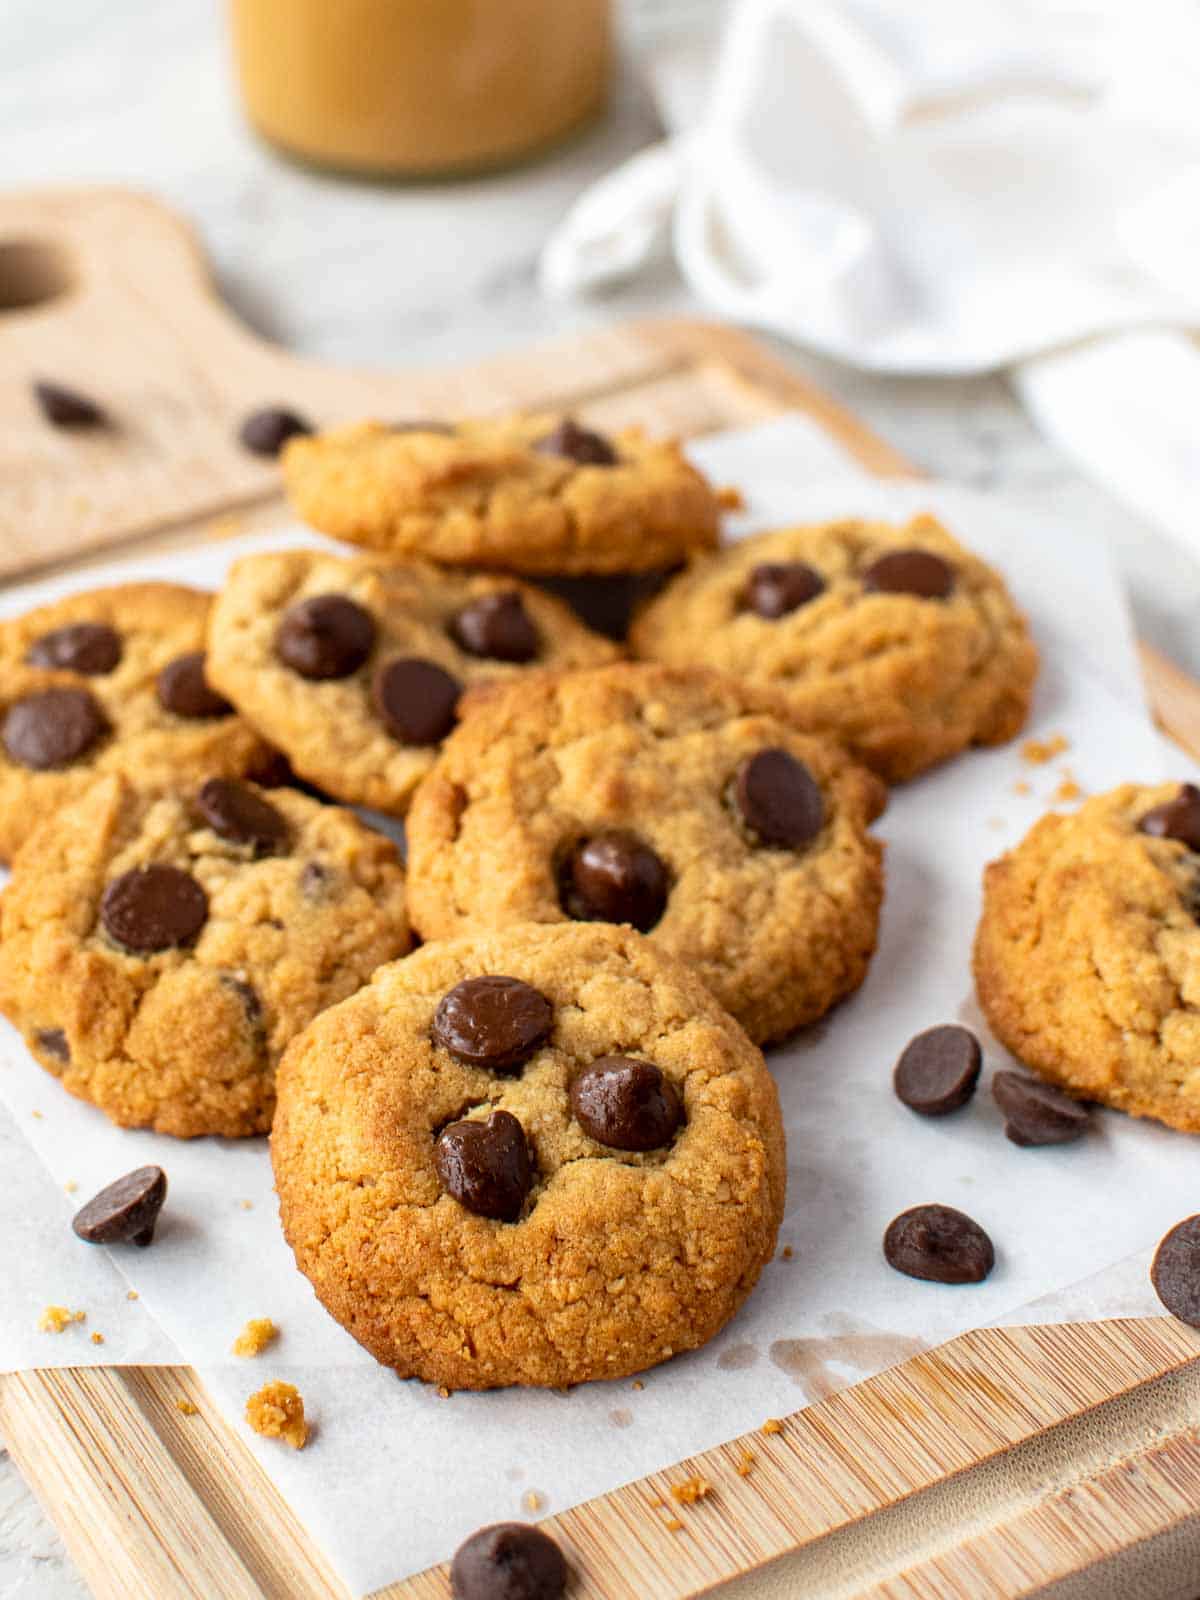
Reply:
x=325, y=636
x=938, y=1070
x=778, y=799
x=916, y=572
x=53, y=1042
x=237, y=813
x=777, y=588
x=493, y=1022
x=52, y=728
x=126, y=1211
x=510, y=1561
x=416, y=700
x=497, y=627
x=153, y=908
x=184, y=690
x=614, y=877
x=1178, y=819
x=486, y=1166
x=626, y=1104
x=1175, y=1271
x=1037, y=1112
x=266, y=432
x=581, y=445
x=939, y=1244
x=67, y=408
x=92, y=648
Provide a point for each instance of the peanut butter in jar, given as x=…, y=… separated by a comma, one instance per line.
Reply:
x=419, y=88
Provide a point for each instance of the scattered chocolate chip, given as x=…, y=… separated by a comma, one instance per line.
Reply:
x=939, y=1244
x=238, y=813
x=1037, y=1112
x=496, y=626
x=315, y=881
x=778, y=799
x=325, y=636
x=1178, y=819
x=626, y=1104
x=938, y=1070
x=486, y=1165
x=67, y=408
x=53, y=1042
x=266, y=432
x=248, y=996
x=581, y=445
x=415, y=699
x=493, y=1022
x=52, y=728
x=183, y=689
x=614, y=877
x=917, y=572
x=510, y=1561
x=1175, y=1271
x=92, y=648
x=777, y=587
x=126, y=1211
x=153, y=908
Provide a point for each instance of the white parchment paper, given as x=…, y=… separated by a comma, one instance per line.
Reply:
x=394, y=1476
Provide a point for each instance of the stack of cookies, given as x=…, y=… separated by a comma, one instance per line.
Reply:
x=545, y=1146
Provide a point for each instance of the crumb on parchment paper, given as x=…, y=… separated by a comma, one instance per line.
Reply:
x=731, y=498
x=1039, y=751
x=255, y=1337
x=1067, y=789
x=131, y=1294
x=276, y=1411
x=55, y=1318
x=532, y=1500
x=97, y=1338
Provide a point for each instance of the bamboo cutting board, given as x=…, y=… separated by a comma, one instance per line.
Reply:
x=1005, y=1463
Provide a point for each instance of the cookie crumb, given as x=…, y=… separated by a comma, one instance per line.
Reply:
x=691, y=1490
x=1067, y=789
x=1039, y=751
x=746, y=1465
x=70, y=1186
x=55, y=1318
x=786, y=1253
x=772, y=1425
x=1022, y=786
x=187, y=1408
x=37, y=1115
x=731, y=498
x=97, y=1338
x=255, y=1337
x=673, y=1525
x=442, y=1392
x=276, y=1411
x=532, y=1500
x=246, y=1205
x=638, y=1385
x=131, y=1294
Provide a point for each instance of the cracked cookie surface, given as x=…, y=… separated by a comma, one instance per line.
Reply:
x=618, y=1258
x=1087, y=955
x=158, y=966
x=894, y=638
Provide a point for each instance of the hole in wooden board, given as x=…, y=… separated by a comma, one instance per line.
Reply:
x=33, y=271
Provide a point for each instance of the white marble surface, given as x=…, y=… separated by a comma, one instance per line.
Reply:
x=120, y=91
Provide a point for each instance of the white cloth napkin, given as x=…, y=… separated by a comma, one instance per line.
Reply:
x=941, y=187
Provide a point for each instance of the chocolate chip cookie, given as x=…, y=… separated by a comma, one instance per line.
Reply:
x=894, y=638
x=1087, y=956
x=525, y=494
x=110, y=681
x=685, y=804
x=158, y=951
x=538, y=1155
x=354, y=668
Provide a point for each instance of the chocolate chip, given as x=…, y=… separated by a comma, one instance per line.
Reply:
x=917, y=572
x=493, y=1022
x=325, y=636
x=52, y=728
x=486, y=1165
x=626, y=1104
x=1178, y=819
x=315, y=880
x=92, y=648
x=67, y=408
x=496, y=626
x=266, y=432
x=1037, y=1112
x=238, y=813
x=183, y=689
x=581, y=445
x=777, y=587
x=938, y=1070
x=153, y=908
x=53, y=1042
x=1175, y=1271
x=510, y=1561
x=778, y=799
x=248, y=997
x=415, y=699
x=939, y=1244
x=126, y=1211
x=614, y=877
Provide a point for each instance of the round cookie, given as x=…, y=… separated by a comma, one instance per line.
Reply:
x=1087, y=955
x=159, y=951
x=894, y=638
x=443, y=1186
x=353, y=668
x=113, y=680
x=526, y=494
x=685, y=804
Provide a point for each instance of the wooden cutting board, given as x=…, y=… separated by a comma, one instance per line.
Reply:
x=1000, y=1464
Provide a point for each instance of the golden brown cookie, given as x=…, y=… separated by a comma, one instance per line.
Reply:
x=538, y=1155
x=525, y=494
x=1087, y=956
x=112, y=680
x=893, y=637
x=159, y=951
x=682, y=803
x=354, y=668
